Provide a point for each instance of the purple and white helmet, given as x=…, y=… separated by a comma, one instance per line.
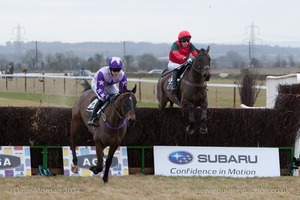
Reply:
x=115, y=63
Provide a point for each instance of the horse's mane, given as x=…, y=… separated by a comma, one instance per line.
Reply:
x=86, y=85
x=202, y=50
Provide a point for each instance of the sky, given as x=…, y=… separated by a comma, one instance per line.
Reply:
x=275, y=22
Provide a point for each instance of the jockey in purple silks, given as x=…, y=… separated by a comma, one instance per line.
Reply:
x=104, y=85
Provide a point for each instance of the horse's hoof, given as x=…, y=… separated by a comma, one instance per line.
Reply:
x=131, y=122
x=74, y=169
x=190, y=131
x=203, y=131
x=105, y=179
x=95, y=169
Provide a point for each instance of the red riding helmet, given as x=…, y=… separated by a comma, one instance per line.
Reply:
x=184, y=34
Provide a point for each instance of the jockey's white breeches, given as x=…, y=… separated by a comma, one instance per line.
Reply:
x=172, y=65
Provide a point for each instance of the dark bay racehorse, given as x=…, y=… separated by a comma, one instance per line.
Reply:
x=192, y=90
x=112, y=126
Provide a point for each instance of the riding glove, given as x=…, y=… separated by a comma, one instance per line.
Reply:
x=112, y=98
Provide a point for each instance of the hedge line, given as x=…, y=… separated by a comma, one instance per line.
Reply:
x=226, y=127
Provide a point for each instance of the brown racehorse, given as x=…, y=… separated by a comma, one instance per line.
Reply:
x=112, y=126
x=192, y=90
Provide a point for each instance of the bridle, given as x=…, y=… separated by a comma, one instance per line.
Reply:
x=196, y=64
x=199, y=69
x=123, y=114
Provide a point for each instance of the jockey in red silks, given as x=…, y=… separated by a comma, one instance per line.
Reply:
x=104, y=85
x=179, y=54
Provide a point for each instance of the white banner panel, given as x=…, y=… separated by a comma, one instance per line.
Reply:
x=15, y=161
x=86, y=156
x=216, y=161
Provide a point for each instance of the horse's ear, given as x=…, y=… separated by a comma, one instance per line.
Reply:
x=207, y=49
x=124, y=89
x=134, y=89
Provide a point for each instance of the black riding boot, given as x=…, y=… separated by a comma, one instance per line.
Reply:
x=94, y=118
x=174, y=79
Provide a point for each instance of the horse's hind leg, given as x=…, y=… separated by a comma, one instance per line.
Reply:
x=162, y=102
x=162, y=97
x=203, y=123
x=108, y=161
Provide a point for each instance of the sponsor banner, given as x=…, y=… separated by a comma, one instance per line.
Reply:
x=86, y=156
x=15, y=161
x=216, y=161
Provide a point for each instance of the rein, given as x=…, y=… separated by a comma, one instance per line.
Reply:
x=197, y=70
x=118, y=112
x=194, y=84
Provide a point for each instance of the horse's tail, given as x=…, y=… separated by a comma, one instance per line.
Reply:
x=86, y=85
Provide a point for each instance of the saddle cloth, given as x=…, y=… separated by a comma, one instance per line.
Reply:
x=90, y=108
x=169, y=85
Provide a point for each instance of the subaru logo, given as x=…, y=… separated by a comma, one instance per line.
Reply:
x=180, y=157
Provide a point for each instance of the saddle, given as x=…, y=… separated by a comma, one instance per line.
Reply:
x=91, y=106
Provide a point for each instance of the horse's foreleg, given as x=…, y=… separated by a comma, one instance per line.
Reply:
x=73, y=133
x=203, y=124
x=99, y=151
x=191, y=127
x=108, y=161
x=171, y=104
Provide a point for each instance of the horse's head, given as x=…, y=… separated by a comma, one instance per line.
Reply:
x=202, y=62
x=127, y=102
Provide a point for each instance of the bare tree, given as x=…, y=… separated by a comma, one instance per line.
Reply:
x=129, y=63
x=249, y=86
x=31, y=57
